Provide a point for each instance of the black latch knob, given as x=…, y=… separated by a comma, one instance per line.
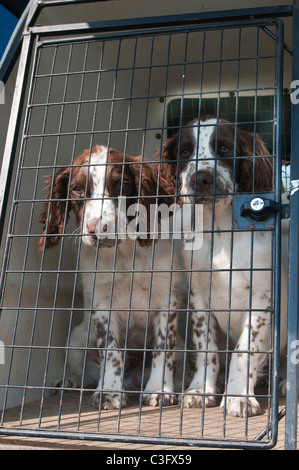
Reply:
x=259, y=209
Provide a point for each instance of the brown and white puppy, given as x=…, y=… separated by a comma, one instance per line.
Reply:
x=231, y=281
x=130, y=289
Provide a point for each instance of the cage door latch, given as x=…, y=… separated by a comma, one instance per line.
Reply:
x=259, y=209
x=255, y=211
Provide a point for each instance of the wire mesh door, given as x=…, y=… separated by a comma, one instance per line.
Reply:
x=130, y=308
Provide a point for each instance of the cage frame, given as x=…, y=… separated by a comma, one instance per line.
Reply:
x=29, y=37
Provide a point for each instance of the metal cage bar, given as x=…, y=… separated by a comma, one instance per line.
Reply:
x=293, y=307
x=117, y=40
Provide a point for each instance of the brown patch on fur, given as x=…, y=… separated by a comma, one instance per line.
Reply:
x=64, y=198
x=261, y=179
x=181, y=147
x=140, y=180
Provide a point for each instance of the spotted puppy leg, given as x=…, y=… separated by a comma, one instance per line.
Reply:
x=244, y=366
x=201, y=391
x=160, y=384
x=109, y=394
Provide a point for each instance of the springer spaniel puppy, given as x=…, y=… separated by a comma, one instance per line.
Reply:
x=228, y=291
x=132, y=293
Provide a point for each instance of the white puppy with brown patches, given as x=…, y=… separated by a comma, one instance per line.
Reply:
x=232, y=273
x=129, y=283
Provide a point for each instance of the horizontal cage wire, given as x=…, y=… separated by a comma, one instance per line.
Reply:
x=130, y=280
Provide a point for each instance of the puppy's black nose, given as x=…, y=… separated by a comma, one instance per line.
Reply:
x=202, y=182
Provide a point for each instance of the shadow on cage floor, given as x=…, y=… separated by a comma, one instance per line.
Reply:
x=73, y=413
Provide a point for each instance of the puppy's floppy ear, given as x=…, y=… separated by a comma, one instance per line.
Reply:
x=255, y=174
x=149, y=192
x=167, y=163
x=55, y=213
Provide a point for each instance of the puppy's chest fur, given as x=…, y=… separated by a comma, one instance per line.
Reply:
x=226, y=266
x=134, y=281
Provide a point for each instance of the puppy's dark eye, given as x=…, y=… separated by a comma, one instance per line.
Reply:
x=120, y=187
x=77, y=189
x=224, y=149
x=184, y=152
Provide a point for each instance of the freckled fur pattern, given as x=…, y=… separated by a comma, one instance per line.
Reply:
x=225, y=291
x=116, y=290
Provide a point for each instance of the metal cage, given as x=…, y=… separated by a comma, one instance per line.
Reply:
x=130, y=85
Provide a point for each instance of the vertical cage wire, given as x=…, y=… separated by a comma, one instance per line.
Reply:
x=109, y=91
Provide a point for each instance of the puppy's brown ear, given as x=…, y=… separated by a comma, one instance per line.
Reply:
x=151, y=191
x=145, y=182
x=167, y=164
x=56, y=210
x=255, y=174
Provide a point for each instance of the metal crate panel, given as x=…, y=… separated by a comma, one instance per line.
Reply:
x=113, y=89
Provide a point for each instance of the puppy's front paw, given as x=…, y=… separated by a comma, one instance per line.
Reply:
x=241, y=406
x=154, y=399
x=108, y=401
x=195, y=398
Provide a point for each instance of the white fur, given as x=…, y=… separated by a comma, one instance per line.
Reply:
x=203, y=158
x=134, y=294
x=224, y=290
x=128, y=295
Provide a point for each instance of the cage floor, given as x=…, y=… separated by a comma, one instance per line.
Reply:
x=146, y=422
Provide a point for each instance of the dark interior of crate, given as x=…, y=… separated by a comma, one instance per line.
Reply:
x=255, y=114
